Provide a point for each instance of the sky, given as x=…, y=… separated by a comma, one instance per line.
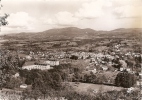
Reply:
x=41, y=15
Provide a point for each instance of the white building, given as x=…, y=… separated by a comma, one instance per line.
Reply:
x=23, y=86
x=139, y=83
x=104, y=68
x=128, y=69
x=16, y=75
x=122, y=69
x=94, y=71
x=28, y=57
x=52, y=63
x=129, y=90
x=41, y=67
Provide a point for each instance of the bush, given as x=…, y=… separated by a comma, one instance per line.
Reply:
x=74, y=57
x=125, y=79
x=13, y=83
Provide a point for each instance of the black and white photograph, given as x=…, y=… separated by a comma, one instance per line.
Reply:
x=70, y=49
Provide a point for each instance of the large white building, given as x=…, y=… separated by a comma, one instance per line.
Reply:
x=41, y=67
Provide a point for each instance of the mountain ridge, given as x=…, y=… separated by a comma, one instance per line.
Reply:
x=74, y=32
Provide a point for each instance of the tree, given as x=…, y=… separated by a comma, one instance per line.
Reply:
x=46, y=81
x=8, y=62
x=3, y=18
x=125, y=79
x=101, y=79
x=74, y=57
x=24, y=73
x=4, y=74
x=32, y=76
x=14, y=83
x=91, y=78
x=3, y=21
x=31, y=94
x=56, y=80
x=9, y=65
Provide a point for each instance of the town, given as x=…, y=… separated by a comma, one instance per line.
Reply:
x=110, y=65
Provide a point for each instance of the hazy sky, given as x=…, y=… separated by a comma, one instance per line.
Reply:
x=40, y=15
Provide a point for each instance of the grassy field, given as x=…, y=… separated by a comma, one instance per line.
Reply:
x=89, y=88
x=8, y=94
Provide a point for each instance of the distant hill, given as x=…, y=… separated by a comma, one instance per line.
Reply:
x=75, y=33
x=127, y=30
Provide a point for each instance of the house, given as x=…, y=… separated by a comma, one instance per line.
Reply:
x=72, y=44
x=23, y=86
x=129, y=90
x=94, y=71
x=122, y=69
x=128, y=69
x=139, y=82
x=104, y=68
x=16, y=75
x=28, y=57
x=140, y=74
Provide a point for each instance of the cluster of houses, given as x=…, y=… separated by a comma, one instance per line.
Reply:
x=96, y=59
x=103, y=59
x=106, y=61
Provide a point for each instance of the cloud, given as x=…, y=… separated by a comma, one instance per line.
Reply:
x=90, y=10
x=46, y=0
x=93, y=9
x=127, y=2
x=61, y=18
x=49, y=21
x=21, y=20
x=5, y=30
x=128, y=11
x=65, y=18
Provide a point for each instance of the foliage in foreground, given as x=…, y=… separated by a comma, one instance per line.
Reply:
x=70, y=94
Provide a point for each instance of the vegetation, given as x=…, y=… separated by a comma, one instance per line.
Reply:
x=3, y=67
x=74, y=57
x=125, y=79
x=10, y=64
